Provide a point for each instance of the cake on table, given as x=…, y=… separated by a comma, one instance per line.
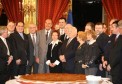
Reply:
x=53, y=78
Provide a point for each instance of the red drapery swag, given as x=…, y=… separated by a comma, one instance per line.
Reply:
x=0, y=8
x=52, y=9
x=13, y=9
x=113, y=8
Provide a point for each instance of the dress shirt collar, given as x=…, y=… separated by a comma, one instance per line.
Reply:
x=117, y=35
x=9, y=33
x=3, y=39
x=61, y=31
x=48, y=31
x=21, y=34
x=55, y=42
x=91, y=42
x=33, y=35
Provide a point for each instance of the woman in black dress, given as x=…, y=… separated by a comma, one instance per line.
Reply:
x=92, y=52
x=52, y=54
x=81, y=38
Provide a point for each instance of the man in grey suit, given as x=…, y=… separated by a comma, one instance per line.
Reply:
x=43, y=39
x=32, y=66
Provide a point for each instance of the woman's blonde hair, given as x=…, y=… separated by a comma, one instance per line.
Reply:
x=2, y=29
x=82, y=35
x=92, y=33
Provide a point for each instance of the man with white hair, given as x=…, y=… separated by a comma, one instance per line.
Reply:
x=5, y=55
x=67, y=51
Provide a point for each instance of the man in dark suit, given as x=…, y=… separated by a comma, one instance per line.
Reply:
x=5, y=55
x=32, y=37
x=120, y=30
x=62, y=24
x=115, y=54
x=65, y=35
x=62, y=30
x=11, y=27
x=101, y=40
x=19, y=43
x=67, y=51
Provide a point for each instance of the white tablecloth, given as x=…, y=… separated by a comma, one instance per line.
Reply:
x=12, y=82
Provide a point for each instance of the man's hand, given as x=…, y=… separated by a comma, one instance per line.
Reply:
x=54, y=64
x=10, y=59
x=37, y=60
x=18, y=62
x=100, y=67
x=62, y=58
x=105, y=64
x=108, y=67
x=102, y=59
x=84, y=66
x=51, y=65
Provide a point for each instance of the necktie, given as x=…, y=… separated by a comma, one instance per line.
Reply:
x=34, y=42
x=33, y=39
x=68, y=42
x=47, y=35
x=62, y=32
x=65, y=37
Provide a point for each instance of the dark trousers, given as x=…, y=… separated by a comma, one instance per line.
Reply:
x=79, y=69
x=116, y=79
x=33, y=67
x=4, y=76
x=19, y=70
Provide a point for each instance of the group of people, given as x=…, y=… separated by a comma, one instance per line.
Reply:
x=90, y=52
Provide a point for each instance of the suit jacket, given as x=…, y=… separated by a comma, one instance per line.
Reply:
x=53, y=55
x=31, y=50
x=69, y=52
x=115, y=60
x=92, y=52
x=41, y=48
x=115, y=55
x=3, y=56
x=102, y=40
x=79, y=56
x=62, y=37
x=19, y=47
x=108, y=47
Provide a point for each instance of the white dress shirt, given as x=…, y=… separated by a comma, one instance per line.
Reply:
x=48, y=32
x=61, y=31
x=4, y=41
x=21, y=34
x=33, y=37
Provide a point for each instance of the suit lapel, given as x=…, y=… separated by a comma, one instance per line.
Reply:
x=3, y=44
x=20, y=36
x=29, y=36
x=49, y=37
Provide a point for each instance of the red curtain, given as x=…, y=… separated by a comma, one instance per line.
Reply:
x=52, y=9
x=1, y=8
x=13, y=9
x=113, y=8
